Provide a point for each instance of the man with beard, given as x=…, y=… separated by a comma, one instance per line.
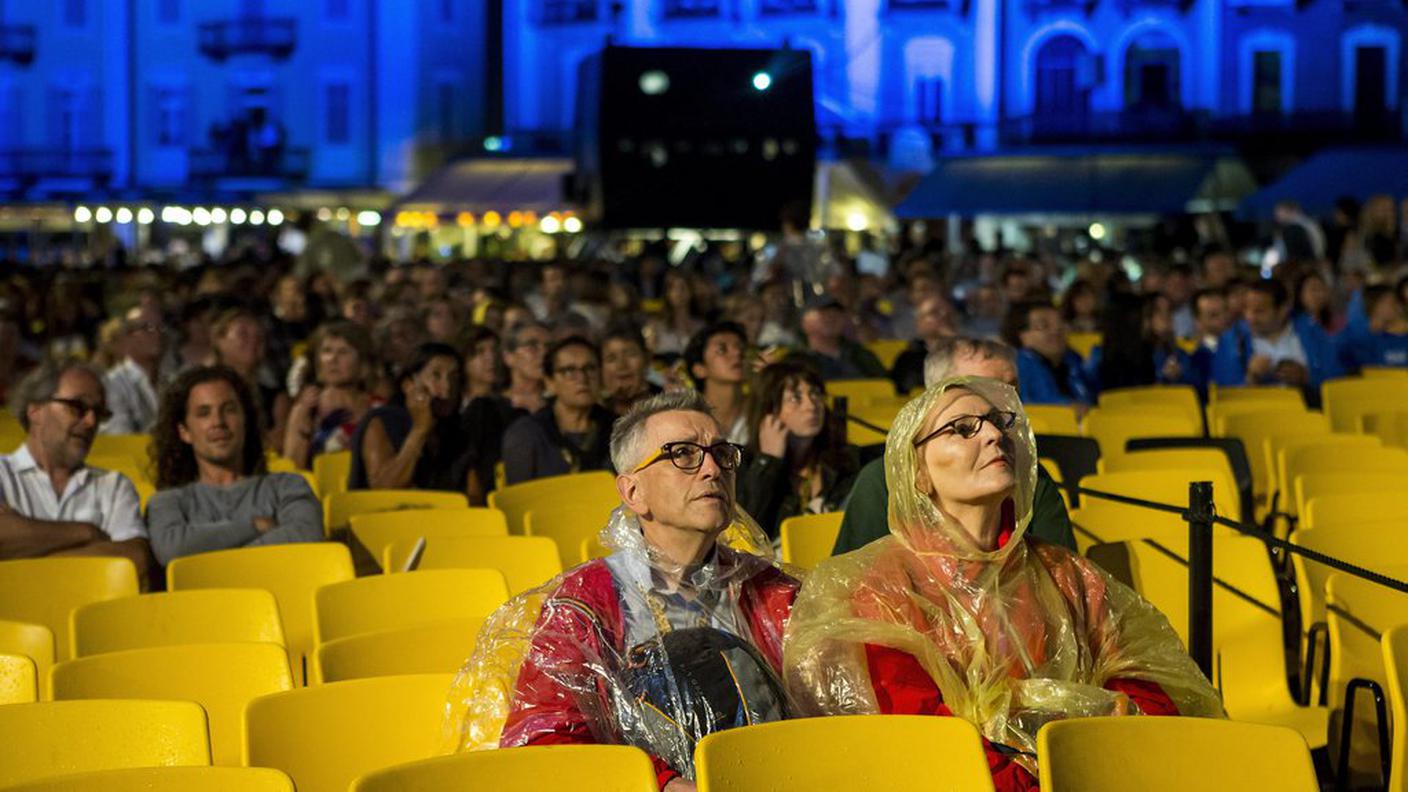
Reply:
x=214, y=492
x=51, y=503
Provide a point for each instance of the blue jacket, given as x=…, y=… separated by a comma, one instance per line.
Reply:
x=1038, y=380
x=1359, y=346
x=1234, y=351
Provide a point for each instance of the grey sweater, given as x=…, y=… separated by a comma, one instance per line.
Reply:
x=198, y=518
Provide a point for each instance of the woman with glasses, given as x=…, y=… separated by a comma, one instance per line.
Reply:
x=959, y=612
x=798, y=461
x=572, y=433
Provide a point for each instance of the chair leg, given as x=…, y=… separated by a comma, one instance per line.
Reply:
x=1351, y=691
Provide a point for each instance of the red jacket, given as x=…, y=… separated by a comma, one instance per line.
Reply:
x=581, y=625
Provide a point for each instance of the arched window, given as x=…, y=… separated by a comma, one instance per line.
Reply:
x=1062, y=79
x=1151, y=72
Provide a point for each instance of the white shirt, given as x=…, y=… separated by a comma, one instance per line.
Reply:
x=1286, y=346
x=131, y=398
x=104, y=498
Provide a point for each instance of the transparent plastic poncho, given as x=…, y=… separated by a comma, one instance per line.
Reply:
x=1013, y=638
x=679, y=654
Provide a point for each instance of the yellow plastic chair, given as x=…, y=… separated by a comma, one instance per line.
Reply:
x=860, y=392
x=845, y=752
x=1111, y=427
x=1099, y=520
x=55, y=738
x=887, y=350
x=340, y=506
x=1209, y=459
x=389, y=602
x=1180, y=397
x=807, y=539
x=1058, y=419
x=1255, y=429
x=592, y=768
x=1171, y=755
x=438, y=648
x=1219, y=413
x=1348, y=414
x=525, y=561
x=1336, y=392
x=1331, y=501
x=19, y=681
x=1389, y=425
x=568, y=524
x=221, y=677
x=1384, y=372
x=588, y=491
x=134, y=446
x=1083, y=343
x=291, y=572
x=1260, y=394
x=592, y=548
x=166, y=779
x=331, y=470
x=1338, y=479
x=278, y=463
x=34, y=641
x=326, y=736
x=139, y=474
x=1357, y=612
x=1332, y=453
x=881, y=415
x=379, y=530
x=177, y=617
x=47, y=590
x=1395, y=650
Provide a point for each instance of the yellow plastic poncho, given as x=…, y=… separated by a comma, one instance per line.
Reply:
x=1012, y=638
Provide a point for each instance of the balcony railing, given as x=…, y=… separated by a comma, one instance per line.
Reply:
x=273, y=36
x=17, y=44
x=286, y=164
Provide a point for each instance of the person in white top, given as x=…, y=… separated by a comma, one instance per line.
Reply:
x=51, y=503
x=132, y=385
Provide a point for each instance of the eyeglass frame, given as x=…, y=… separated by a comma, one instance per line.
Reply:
x=668, y=448
x=982, y=419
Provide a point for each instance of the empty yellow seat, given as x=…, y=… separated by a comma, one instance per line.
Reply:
x=1260, y=394
x=880, y=415
x=807, y=539
x=19, y=681
x=326, y=736
x=340, y=506
x=1180, y=397
x=1112, y=427
x=34, y=641
x=388, y=602
x=1395, y=654
x=177, y=617
x=331, y=470
x=436, y=648
x=859, y=392
x=1255, y=429
x=525, y=561
x=911, y=752
x=1358, y=612
x=1349, y=414
x=1058, y=419
x=1337, y=392
x=166, y=779
x=1099, y=520
x=568, y=524
x=222, y=677
x=588, y=491
x=54, y=738
x=1351, y=499
x=47, y=590
x=137, y=447
x=378, y=530
x=1333, y=453
x=1171, y=755
x=592, y=768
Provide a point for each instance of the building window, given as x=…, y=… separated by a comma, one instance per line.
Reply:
x=566, y=12
x=929, y=101
x=338, y=10
x=168, y=12
x=1266, y=83
x=692, y=9
x=1151, y=79
x=786, y=7
x=170, y=120
x=1062, y=82
x=338, y=122
x=75, y=13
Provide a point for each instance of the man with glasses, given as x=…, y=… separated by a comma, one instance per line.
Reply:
x=569, y=435
x=50, y=502
x=132, y=385
x=674, y=635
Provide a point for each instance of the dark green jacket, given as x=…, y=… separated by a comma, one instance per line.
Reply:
x=867, y=511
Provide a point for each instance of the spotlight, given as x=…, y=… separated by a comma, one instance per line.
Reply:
x=275, y=217
x=123, y=215
x=218, y=215
x=201, y=216
x=550, y=225
x=238, y=216
x=654, y=82
x=146, y=216
x=762, y=81
x=256, y=217
x=572, y=225
x=103, y=215
x=368, y=218
x=855, y=221
x=1097, y=231
x=493, y=143
x=82, y=214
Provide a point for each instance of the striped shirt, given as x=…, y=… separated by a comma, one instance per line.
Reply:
x=131, y=398
x=104, y=498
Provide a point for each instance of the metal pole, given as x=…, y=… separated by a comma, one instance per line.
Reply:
x=1200, y=514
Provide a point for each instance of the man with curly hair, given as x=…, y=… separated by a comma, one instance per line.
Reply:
x=214, y=491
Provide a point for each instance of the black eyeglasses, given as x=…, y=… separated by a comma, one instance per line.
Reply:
x=966, y=426
x=689, y=457
x=82, y=408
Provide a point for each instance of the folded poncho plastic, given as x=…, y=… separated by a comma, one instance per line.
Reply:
x=617, y=651
x=1012, y=638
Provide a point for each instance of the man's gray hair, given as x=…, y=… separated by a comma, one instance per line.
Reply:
x=628, y=433
x=938, y=366
x=41, y=384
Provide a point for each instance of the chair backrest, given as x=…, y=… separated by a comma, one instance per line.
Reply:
x=1099, y=520
x=378, y=530
x=221, y=677
x=887, y=350
x=54, y=738
x=165, y=779
x=340, y=506
x=526, y=561
x=592, y=768
x=568, y=524
x=588, y=490
x=177, y=617
x=880, y=414
x=1389, y=425
x=1229, y=447
x=326, y=736
x=331, y=469
x=133, y=446
x=19, y=681
x=1256, y=394
x=1334, y=392
x=1395, y=649
x=388, y=602
x=437, y=648
x=807, y=539
x=1331, y=454
x=1372, y=545
x=291, y=572
x=1054, y=419
x=1357, y=612
x=1253, y=429
x=1181, y=397
x=1348, y=414
x=1112, y=427
x=1168, y=754
x=1327, y=507
x=47, y=590
x=1077, y=457
x=34, y=641
x=859, y=392
x=820, y=753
